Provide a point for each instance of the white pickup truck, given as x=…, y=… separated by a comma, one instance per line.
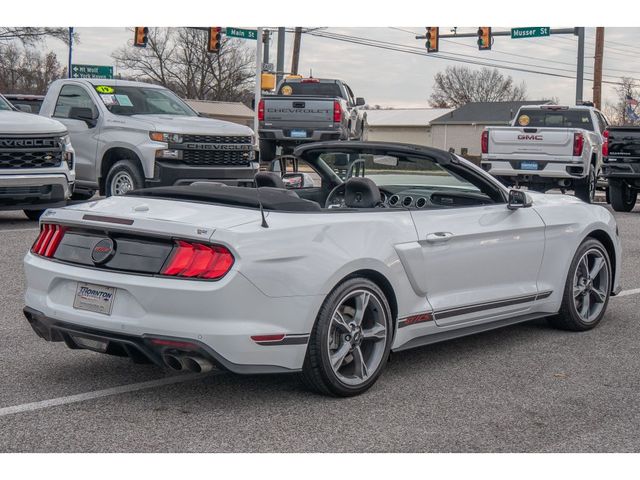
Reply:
x=548, y=146
x=36, y=162
x=129, y=135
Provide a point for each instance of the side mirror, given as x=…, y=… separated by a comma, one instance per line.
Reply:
x=293, y=181
x=359, y=101
x=518, y=199
x=84, y=114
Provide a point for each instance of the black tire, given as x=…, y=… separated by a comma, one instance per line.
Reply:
x=123, y=169
x=623, y=198
x=568, y=318
x=267, y=150
x=82, y=194
x=33, y=214
x=317, y=372
x=585, y=190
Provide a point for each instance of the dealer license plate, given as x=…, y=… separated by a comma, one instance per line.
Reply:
x=298, y=133
x=529, y=165
x=94, y=298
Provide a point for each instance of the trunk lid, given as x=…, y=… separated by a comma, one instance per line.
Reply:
x=298, y=110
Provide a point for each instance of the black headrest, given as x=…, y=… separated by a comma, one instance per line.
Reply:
x=360, y=192
x=268, y=179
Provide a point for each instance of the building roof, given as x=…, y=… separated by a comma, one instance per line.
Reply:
x=484, y=113
x=224, y=109
x=404, y=117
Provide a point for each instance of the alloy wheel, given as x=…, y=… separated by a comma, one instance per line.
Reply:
x=591, y=285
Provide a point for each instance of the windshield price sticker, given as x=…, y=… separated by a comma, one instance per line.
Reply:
x=124, y=100
x=108, y=99
x=104, y=89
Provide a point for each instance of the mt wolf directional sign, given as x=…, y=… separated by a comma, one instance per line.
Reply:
x=91, y=71
x=529, y=32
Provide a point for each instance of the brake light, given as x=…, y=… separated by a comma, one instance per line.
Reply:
x=195, y=260
x=261, y=110
x=337, y=112
x=605, y=144
x=48, y=240
x=310, y=80
x=484, y=141
x=578, y=143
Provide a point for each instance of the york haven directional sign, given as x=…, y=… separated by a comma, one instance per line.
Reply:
x=242, y=33
x=91, y=71
x=529, y=32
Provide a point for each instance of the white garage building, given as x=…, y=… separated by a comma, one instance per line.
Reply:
x=405, y=125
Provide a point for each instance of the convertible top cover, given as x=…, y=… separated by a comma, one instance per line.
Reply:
x=275, y=199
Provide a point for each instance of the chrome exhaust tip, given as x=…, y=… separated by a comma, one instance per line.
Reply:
x=173, y=362
x=197, y=364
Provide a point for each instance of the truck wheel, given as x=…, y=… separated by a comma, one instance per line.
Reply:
x=33, y=214
x=267, y=150
x=350, y=341
x=123, y=177
x=586, y=189
x=587, y=289
x=623, y=198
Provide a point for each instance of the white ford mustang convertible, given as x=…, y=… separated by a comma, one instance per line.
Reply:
x=374, y=247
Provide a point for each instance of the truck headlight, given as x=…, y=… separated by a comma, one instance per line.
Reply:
x=165, y=137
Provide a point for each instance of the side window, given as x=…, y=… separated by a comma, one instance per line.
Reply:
x=72, y=96
x=601, y=122
x=351, y=98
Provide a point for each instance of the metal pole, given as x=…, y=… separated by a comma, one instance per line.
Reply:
x=597, y=68
x=295, y=60
x=280, y=60
x=258, y=89
x=266, y=39
x=580, y=65
x=70, y=52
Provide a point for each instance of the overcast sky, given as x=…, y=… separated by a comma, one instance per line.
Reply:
x=396, y=79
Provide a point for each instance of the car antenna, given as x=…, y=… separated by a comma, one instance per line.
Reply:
x=264, y=219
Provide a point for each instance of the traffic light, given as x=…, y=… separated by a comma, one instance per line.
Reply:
x=484, y=38
x=141, y=37
x=432, y=39
x=214, y=39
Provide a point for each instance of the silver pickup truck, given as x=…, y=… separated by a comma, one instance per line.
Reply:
x=308, y=110
x=548, y=146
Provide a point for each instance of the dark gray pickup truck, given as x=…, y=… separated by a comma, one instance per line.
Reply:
x=621, y=166
x=308, y=110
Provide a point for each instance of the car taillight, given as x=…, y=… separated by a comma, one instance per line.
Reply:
x=605, y=144
x=578, y=143
x=195, y=260
x=337, y=112
x=261, y=110
x=47, y=242
x=484, y=141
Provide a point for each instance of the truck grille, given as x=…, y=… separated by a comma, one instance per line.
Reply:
x=30, y=152
x=216, y=139
x=209, y=157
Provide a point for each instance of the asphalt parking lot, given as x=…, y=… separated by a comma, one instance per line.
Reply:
x=524, y=388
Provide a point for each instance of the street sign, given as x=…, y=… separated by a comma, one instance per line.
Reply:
x=91, y=71
x=529, y=32
x=242, y=33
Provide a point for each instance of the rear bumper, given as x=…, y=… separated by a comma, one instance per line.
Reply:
x=34, y=192
x=169, y=174
x=626, y=170
x=284, y=135
x=547, y=171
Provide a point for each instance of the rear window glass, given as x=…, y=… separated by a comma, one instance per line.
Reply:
x=555, y=118
x=315, y=89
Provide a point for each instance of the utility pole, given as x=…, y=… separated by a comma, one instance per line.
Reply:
x=597, y=68
x=295, y=60
x=258, y=89
x=280, y=59
x=580, y=65
x=70, y=52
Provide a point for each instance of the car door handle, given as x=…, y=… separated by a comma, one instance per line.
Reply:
x=439, y=237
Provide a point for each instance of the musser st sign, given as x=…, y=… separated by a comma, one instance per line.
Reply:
x=529, y=32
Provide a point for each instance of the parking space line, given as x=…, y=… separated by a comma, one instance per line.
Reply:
x=81, y=397
x=624, y=293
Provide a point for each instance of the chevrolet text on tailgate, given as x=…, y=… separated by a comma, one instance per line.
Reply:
x=548, y=146
x=128, y=135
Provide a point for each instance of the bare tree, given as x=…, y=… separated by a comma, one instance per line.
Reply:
x=178, y=59
x=457, y=86
x=32, y=35
x=616, y=112
x=26, y=70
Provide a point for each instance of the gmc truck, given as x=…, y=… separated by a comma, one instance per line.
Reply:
x=621, y=167
x=128, y=135
x=548, y=146
x=36, y=162
x=308, y=110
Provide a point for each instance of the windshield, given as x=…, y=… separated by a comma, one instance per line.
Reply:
x=395, y=173
x=4, y=105
x=127, y=100
x=554, y=118
x=311, y=88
